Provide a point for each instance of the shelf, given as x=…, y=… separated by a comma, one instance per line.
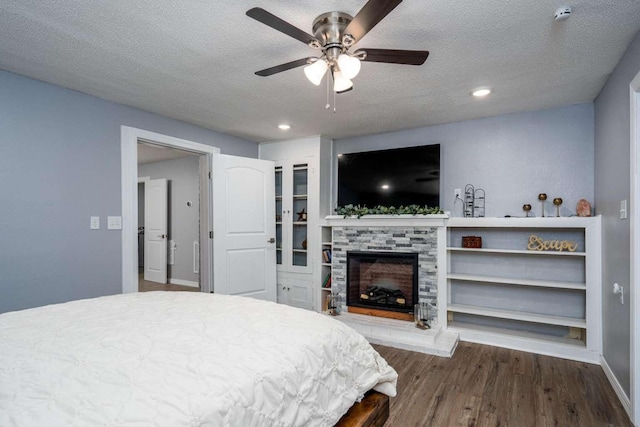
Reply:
x=299, y=196
x=326, y=289
x=516, y=252
x=518, y=315
x=504, y=271
x=519, y=282
x=532, y=222
x=278, y=197
x=278, y=222
x=326, y=264
x=326, y=243
x=300, y=223
x=299, y=250
x=514, y=334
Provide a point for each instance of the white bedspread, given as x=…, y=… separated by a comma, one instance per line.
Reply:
x=181, y=359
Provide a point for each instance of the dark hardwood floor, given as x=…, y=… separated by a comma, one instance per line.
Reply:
x=490, y=386
x=145, y=286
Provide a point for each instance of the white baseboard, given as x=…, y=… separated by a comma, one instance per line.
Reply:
x=184, y=283
x=626, y=403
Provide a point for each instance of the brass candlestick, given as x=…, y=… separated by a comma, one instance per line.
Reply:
x=557, y=201
x=527, y=209
x=542, y=197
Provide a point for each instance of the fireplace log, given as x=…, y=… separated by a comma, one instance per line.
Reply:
x=383, y=296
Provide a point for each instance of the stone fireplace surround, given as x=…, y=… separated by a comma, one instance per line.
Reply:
x=420, y=240
x=425, y=235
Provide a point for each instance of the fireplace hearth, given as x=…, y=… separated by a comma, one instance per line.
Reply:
x=382, y=280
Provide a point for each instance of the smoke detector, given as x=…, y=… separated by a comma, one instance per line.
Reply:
x=562, y=14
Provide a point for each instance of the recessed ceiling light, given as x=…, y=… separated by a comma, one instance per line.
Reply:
x=385, y=186
x=481, y=91
x=284, y=126
x=340, y=155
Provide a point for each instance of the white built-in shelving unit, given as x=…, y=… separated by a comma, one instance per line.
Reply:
x=325, y=267
x=302, y=168
x=504, y=294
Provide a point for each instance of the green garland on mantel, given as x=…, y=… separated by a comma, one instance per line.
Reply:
x=359, y=211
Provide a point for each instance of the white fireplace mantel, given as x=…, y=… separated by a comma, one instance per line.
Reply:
x=436, y=220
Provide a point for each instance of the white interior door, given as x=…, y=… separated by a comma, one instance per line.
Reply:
x=244, y=255
x=155, y=230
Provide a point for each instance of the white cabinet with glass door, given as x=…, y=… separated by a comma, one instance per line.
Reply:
x=292, y=216
x=300, y=202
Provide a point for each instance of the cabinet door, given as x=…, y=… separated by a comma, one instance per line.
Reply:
x=281, y=292
x=299, y=216
x=279, y=214
x=296, y=292
x=300, y=293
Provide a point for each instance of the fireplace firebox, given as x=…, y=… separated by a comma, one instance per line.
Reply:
x=382, y=280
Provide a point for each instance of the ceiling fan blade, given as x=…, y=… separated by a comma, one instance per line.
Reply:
x=395, y=56
x=274, y=22
x=284, y=67
x=372, y=13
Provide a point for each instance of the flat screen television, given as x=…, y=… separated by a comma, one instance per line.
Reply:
x=395, y=177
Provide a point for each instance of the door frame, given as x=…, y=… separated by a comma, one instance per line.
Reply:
x=634, y=292
x=142, y=180
x=129, y=138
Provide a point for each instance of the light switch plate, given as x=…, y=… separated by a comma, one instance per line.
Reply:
x=95, y=223
x=623, y=209
x=114, y=222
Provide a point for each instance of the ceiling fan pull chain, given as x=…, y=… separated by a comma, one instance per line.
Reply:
x=327, y=105
x=334, y=102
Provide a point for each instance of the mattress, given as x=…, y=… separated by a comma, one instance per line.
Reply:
x=182, y=359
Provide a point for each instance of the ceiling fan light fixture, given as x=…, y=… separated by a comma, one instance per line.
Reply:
x=315, y=72
x=349, y=65
x=340, y=82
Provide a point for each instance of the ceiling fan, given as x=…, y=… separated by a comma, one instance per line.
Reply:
x=334, y=33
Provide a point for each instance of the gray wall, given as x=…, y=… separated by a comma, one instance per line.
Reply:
x=512, y=157
x=612, y=184
x=184, y=222
x=59, y=165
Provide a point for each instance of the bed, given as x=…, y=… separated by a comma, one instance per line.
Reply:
x=182, y=359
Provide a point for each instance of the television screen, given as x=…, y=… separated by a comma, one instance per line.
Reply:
x=401, y=176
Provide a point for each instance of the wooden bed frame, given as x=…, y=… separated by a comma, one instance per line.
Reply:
x=372, y=411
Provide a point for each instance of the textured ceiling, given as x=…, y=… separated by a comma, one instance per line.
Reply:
x=195, y=60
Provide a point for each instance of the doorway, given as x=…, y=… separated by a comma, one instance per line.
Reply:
x=634, y=92
x=242, y=219
x=168, y=218
x=130, y=139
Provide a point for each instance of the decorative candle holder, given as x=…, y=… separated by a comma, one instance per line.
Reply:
x=542, y=197
x=527, y=209
x=421, y=315
x=557, y=201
